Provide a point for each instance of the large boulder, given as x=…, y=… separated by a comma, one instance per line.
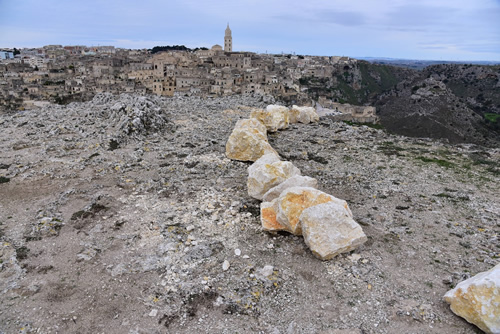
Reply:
x=477, y=300
x=248, y=144
x=266, y=173
x=294, y=181
x=251, y=123
x=274, y=117
x=293, y=201
x=304, y=115
x=329, y=230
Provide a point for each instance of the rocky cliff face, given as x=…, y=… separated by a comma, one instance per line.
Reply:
x=444, y=101
x=123, y=215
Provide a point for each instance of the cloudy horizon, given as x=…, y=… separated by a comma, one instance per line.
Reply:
x=429, y=30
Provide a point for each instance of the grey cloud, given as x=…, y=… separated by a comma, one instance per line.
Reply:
x=419, y=16
x=344, y=18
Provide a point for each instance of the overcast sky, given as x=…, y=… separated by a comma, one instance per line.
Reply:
x=424, y=29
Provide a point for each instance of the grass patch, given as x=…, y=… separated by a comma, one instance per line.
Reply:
x=388, y=148
x=444, y=195
x=4, y=179
x=370, y=125
x=440, y=162
x=493, y=170
x=493, y=118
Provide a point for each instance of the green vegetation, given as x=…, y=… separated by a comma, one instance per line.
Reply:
x=4, y=179
x=370, y=125
x=440, y=162
x=388, y=148
x=493, y=118
x=157, y=49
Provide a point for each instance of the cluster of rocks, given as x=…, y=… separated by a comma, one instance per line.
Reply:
x=291, y=202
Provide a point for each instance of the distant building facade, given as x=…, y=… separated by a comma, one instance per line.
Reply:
x=6, y=55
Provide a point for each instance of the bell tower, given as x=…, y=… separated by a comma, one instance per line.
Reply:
x=228, y=40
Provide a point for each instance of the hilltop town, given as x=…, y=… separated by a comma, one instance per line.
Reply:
x=62, y=74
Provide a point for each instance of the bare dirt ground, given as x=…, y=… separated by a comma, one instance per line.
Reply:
x=114, y=224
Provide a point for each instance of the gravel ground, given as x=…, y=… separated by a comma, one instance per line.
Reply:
x=117, y=215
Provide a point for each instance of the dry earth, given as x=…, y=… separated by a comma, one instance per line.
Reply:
x=119, y=213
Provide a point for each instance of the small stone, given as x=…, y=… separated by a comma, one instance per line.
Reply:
x=354, y=257
x=329, y=230
x=225, y=265
x=304, y=115
x=267, y=271
x=237, y=252
x=477, y=300
x=294, y=181
x=266, y=173
x=153, y=313
x=274, y=117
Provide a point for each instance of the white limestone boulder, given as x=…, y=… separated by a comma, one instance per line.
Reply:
x=303, y=115
x=477, y=300
x=248, y=144
x=274, y=117
x=329, y=230
x=294, y=181
x=293, y=201
x=266, y=173
x=268, y=217
x=251, y=123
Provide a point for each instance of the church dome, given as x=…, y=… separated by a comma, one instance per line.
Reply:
x=216, y=47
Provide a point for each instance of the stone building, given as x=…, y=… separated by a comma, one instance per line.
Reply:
x=228, y=40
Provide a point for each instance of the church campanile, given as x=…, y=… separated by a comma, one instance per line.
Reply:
x=228, y=40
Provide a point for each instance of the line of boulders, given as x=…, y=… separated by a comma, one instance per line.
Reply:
x=290, y=201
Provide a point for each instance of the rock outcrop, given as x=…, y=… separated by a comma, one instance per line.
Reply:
x=477, y=300
x=329, y=230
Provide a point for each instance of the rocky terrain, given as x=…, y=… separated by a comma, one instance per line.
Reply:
x=459, y=103
x=123, y=215
x=445, y=101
